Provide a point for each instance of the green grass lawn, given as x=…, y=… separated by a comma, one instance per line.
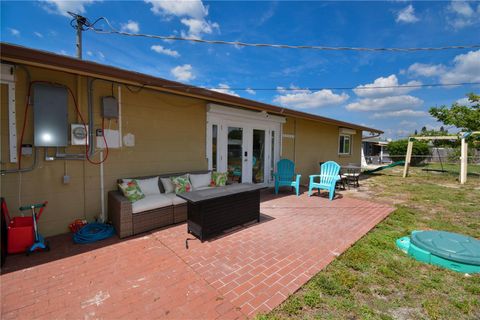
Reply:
x=375, y=280
x=454, y=169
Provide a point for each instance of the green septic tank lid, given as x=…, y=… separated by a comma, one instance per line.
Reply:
x=449, y=245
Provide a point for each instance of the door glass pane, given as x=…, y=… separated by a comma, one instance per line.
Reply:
x=340, y=149
x=214, y=147
x=258, y=156
x=272, y=156
x=347, y=145
x=234, y=154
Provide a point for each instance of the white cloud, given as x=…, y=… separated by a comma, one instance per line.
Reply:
x=89, y=53
x=179, y=8
x=388, y=82
x=183, y=73
x=426, y=70
x=281, y=90
x=306, y=99
x=409, y=124
x=225, y=88
x=130, y=26
x=165, y=51
x=385, y=103
x=38, y=34
x=192, y=13
x=465, y=102
x=464, y=68
x=399, y=113
x=250, y=91
x=462, y=14
x=62, y=7
x=14, y=32
x=407, y=15
x=101, y=56
x=198, y=26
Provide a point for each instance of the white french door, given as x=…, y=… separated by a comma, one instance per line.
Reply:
x=242, y=144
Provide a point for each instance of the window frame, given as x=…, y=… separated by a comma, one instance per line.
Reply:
x=341, y=152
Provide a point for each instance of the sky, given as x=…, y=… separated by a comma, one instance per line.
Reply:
x=244, y=71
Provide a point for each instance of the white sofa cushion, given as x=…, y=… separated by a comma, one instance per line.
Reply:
x=149, y=186
x=175, y=199
x=151, y=202
x=200, y=180
x=168, y=185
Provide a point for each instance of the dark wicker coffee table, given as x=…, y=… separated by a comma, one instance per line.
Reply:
x=212, y=211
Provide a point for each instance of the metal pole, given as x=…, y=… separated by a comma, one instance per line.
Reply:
x=463, y=161
x=79, y=39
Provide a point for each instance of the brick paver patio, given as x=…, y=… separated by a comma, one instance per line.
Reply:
x=245, y=272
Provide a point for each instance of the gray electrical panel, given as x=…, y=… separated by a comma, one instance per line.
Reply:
x=50, y=116
x=109, y=108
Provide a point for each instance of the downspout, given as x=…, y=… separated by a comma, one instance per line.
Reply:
x=295, y=140
x=102, y=189
x=120, y=137
x=90, y=115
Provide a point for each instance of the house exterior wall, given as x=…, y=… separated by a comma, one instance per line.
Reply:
x=170, y=136
x=309, y=142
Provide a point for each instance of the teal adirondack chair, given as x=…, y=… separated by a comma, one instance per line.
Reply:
x=286, y=176
x=329, y=175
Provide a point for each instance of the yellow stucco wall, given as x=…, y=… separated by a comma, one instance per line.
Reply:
x=169, y=137
x=312, y=142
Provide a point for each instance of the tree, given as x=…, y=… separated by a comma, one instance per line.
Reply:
x=416, y=132
x=466, y=118
x=441, y=143
x=424, y=129
x=398, y=149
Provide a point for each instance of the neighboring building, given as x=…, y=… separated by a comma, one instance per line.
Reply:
x=374, y=150
x=161, y=126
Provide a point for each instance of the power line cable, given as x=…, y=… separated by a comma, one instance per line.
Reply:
x=324, y=88
x=87, y=25
x=91, y=26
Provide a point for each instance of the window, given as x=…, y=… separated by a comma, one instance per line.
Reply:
x=344, y=144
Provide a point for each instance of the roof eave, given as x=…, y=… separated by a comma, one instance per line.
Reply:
x=28, y=56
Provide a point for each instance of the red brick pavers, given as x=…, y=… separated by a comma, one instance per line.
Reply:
x=240, y=274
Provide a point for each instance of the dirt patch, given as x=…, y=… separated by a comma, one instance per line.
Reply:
x=406, y=313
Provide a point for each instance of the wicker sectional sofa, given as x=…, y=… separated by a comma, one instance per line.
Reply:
x=129, y=221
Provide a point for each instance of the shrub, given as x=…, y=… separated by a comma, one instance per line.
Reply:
x=398, y=149
x=454, y=156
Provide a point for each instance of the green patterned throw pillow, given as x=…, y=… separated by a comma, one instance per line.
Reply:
x=131, y=190
x=219, y=179
x=182, y=184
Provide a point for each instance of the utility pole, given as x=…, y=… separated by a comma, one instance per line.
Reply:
x=79, y=26
x=79, y=42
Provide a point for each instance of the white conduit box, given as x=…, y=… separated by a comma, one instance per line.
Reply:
x=112, y=137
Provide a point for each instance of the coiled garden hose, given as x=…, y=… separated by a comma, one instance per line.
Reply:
x=93, y=232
